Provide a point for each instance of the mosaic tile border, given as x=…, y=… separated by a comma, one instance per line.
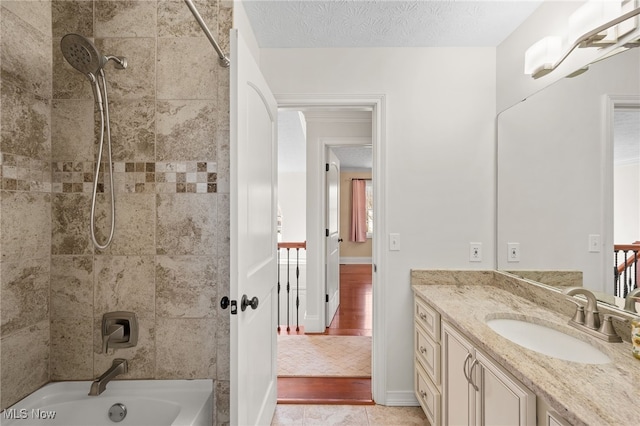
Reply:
x=138, y=177
x=20, y=173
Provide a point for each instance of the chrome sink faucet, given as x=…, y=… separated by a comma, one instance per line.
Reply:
x=588, y=318
x=118, y=367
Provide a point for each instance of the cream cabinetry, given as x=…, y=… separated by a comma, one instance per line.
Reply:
x=458, y=384
x=427, y=360
x=548, y=417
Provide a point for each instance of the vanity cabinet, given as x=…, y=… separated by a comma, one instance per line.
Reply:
x=427, y=360
x=548, y=417
x=457, y=384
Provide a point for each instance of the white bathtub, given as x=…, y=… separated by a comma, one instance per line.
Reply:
x=148, y=403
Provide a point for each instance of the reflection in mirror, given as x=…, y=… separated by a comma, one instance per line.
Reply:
x=555, y=184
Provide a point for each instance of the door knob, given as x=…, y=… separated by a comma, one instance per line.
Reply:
x=340, y=240
x=225, y=302
x=253, y=302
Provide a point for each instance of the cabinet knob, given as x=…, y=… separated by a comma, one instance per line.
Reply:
x=423, y=349
x=423, y=394
x=422, y=316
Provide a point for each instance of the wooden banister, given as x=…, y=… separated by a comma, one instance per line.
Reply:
x=627, y=247
x=302, y=245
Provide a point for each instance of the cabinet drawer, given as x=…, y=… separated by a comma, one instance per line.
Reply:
x=428, y=395
x=428, y=353
x=428, y=318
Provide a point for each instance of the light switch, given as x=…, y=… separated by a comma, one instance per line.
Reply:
x=394, y=242
x=594, y=243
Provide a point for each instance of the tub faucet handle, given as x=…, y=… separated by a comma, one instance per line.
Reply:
x=115, y=333
x=119, y=330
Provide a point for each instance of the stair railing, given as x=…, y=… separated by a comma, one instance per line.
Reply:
x=625, y=271
x=288, y=246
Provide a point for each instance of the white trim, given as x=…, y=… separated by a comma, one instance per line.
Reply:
x=378, y=104
x=610, y=102
x=356, y=260
x=401, y=399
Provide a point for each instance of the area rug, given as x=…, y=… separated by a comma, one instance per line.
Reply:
x=324, y=356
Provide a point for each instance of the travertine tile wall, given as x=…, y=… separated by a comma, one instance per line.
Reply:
x=25, y=196
x=169, y=258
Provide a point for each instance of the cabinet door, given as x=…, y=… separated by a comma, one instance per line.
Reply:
x=458, y=397
x=501, y=400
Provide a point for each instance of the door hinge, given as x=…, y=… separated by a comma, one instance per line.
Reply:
x=326, y=167
x=326, y=298
x=326, y=232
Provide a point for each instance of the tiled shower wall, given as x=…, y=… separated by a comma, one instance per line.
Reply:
x=25, y=197
x=169, y=258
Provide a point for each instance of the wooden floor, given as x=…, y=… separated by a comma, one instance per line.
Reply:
x=353, y=318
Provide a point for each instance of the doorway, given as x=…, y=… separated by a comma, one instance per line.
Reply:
x=315, y=318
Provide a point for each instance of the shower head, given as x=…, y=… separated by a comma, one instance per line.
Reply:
x=82, y=54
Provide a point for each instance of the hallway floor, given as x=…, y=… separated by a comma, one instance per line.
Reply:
x=341, y=400
x=353, y=318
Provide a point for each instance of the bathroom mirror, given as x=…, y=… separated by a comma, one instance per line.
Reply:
x=555, y=178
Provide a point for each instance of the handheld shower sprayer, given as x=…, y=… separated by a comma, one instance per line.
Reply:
x=82, y=55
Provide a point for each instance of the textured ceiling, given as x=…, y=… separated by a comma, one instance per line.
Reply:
x=354, y=157
x=391, y=23
x=357, y=23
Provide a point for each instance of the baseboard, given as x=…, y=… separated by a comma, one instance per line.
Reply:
x=312, y=324
x=401, y=399
x=356, y=260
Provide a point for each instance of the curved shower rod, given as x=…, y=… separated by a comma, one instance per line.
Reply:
x=224, y=61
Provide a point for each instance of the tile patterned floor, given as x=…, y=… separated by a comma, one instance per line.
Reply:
x=350, y=415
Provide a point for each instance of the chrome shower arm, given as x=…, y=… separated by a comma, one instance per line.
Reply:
x=224, y=61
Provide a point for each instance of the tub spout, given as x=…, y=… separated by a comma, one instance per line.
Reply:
x=118, y=367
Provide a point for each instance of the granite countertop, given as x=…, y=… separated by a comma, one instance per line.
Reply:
x=584, y=394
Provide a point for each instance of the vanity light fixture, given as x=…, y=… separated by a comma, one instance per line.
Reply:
x=594, y=14
x=546, y=55
x=542, y=55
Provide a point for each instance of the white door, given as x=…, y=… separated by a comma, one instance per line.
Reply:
x=253, y=179
x=332, y=276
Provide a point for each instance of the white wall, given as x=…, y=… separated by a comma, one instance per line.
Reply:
x=440, y=110
x=626, y=203
x=241, y=22
x=292, y=192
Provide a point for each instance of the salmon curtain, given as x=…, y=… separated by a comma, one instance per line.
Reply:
x=358, y=211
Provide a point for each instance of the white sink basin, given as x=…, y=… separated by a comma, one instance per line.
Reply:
x=548, y=341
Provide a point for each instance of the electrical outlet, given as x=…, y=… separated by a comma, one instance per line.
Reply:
x=475, y=252
x=513, y=252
